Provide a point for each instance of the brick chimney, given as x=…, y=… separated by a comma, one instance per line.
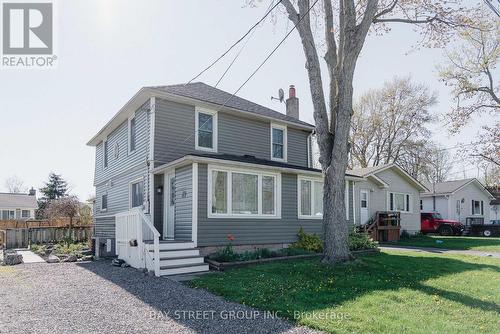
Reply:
x=292, y=103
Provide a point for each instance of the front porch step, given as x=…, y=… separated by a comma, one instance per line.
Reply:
x=181, y=261
x=176, y=253
x=183, y=269
x=170, y=245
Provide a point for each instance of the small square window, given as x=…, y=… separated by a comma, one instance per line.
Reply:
x=25, y=213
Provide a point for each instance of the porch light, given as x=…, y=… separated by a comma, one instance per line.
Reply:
x=159, y=190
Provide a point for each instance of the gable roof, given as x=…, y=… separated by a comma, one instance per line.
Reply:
x=449, y=187
x=372, y=171
x=17, y=201
x=203, y=92
x=195, y=93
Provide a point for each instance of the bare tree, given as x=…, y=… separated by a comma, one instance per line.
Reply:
x=68, y=206
x=390, y=122
x=344, y=38
x=469, y=71
x=15, y=185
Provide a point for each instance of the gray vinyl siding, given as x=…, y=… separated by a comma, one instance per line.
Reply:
x=124, y=161
x=104, y=227
x=175, y=137
x=214, y=231
x=183, y=203
x=122, y=169
x=174, y=131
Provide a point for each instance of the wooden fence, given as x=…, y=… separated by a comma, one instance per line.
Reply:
x=22, y=237
x=57, y=222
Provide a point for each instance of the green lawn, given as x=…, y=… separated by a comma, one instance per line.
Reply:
x=390, y=292
x=467, y=243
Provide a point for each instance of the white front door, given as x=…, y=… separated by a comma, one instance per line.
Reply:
x=364, y=205
x=168, y=221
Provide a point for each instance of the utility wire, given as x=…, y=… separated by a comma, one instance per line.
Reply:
x=492, y=7
x=239, y=52
x=236, y=43
x=253, y=73
x=272, y=52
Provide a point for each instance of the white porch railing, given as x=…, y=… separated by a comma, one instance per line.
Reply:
x=131, y=226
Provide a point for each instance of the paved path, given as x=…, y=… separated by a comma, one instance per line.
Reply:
x=441, y=250
x=29, y=256
x=94, y=297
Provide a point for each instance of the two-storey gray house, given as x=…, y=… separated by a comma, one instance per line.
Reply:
x=180, y=168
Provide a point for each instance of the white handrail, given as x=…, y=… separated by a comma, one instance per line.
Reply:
x=156, y=241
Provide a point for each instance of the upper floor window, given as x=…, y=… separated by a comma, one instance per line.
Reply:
x=206, y=130
x=477, y=208
x=132, y=130
x=105, y=153
x=400, y=202
x=278, y=142
x=137, y=193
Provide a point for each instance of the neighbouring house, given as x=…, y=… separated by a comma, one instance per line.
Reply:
x=387, y=188
x=15, y=206
x=180, y=168
x=495, y=204
x=466, y=201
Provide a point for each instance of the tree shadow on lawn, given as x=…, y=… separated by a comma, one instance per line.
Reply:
x=306, y=286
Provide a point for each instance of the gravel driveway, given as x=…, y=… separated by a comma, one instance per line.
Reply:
x=95, y=297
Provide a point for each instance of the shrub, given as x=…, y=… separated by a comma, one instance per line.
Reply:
x=308, y=242
x=405, y=235
x=360, y=241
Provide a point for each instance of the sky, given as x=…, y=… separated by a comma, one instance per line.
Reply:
x=108, y=50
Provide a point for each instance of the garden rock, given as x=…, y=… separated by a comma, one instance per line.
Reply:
x=87, y=258
x=71, y=258
x=11, y=259
x=53, y=259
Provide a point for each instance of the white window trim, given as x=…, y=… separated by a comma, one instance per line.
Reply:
x=299, y=197
x=199, y=110
x=250, y=171
x=129, y=138
x=410, y=205
x=474, y=213
x=285, y=140
x=137, y=180
x=346, y=200
x=107, y=203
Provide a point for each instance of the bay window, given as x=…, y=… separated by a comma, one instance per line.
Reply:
x=241, y=193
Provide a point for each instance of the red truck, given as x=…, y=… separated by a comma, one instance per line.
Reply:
x=433, y=222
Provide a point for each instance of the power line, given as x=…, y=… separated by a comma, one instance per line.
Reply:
x=272, y=52
x=492, y=7
x=236, y=43
x=240, y=51
x=254, y=72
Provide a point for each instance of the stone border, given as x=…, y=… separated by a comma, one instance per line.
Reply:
x=221, y=266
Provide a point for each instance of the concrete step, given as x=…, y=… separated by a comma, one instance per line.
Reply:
x=178, y=261
x=182, y=269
